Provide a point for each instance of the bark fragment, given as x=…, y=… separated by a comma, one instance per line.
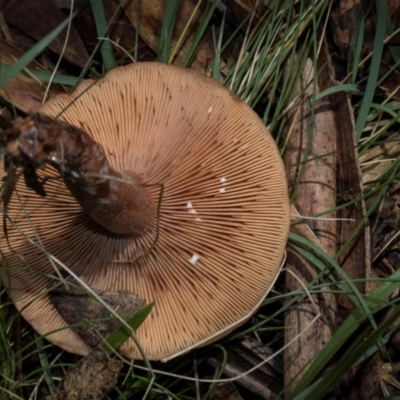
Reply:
x=92, y=378
x=355, y=257
x=316, y=194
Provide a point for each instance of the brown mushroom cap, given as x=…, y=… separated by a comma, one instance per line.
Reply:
x=224, y=214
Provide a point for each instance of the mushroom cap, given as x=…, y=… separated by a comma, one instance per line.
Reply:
x=216, y=247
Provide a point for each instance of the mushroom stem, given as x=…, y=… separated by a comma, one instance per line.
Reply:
x=115, y=200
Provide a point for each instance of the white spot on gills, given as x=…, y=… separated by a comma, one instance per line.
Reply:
x=189, y=205
x=194, y=259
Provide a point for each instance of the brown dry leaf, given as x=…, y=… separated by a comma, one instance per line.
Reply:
x=242, y=8
x=38, y=18
x=92, y=378
x=393, y=8
x=151, y=18
x=24, y=93
x=345, y=19
x=380, y=155
x=391, y=85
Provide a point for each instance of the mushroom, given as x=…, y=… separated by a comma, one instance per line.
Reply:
x=161, y=183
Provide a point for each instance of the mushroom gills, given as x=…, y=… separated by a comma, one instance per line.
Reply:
x=160, y=183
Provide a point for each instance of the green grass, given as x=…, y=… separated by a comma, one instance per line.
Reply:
x=264, y=75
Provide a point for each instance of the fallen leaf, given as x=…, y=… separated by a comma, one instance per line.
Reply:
x=38, y=18
x=150, y=23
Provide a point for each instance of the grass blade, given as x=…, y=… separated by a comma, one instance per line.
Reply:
x=32, y=53
x=167, y=29
x=363, y=343
x=199, y=33
x=382, y=11
x=346, y=87
x=101, y=28
x=115, y=340
x=43, y=75
x=45, y=364
x=217, y=58
x=355, y=319
x=358, y=51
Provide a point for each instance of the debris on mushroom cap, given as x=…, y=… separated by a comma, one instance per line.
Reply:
x=155, y=121
x=194, y=259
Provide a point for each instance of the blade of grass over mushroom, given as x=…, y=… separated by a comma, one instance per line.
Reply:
x=32, y=53
x=102, y=31
x=167, y=29
x=352, y=323
x=115, y=340
x=377, y=52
